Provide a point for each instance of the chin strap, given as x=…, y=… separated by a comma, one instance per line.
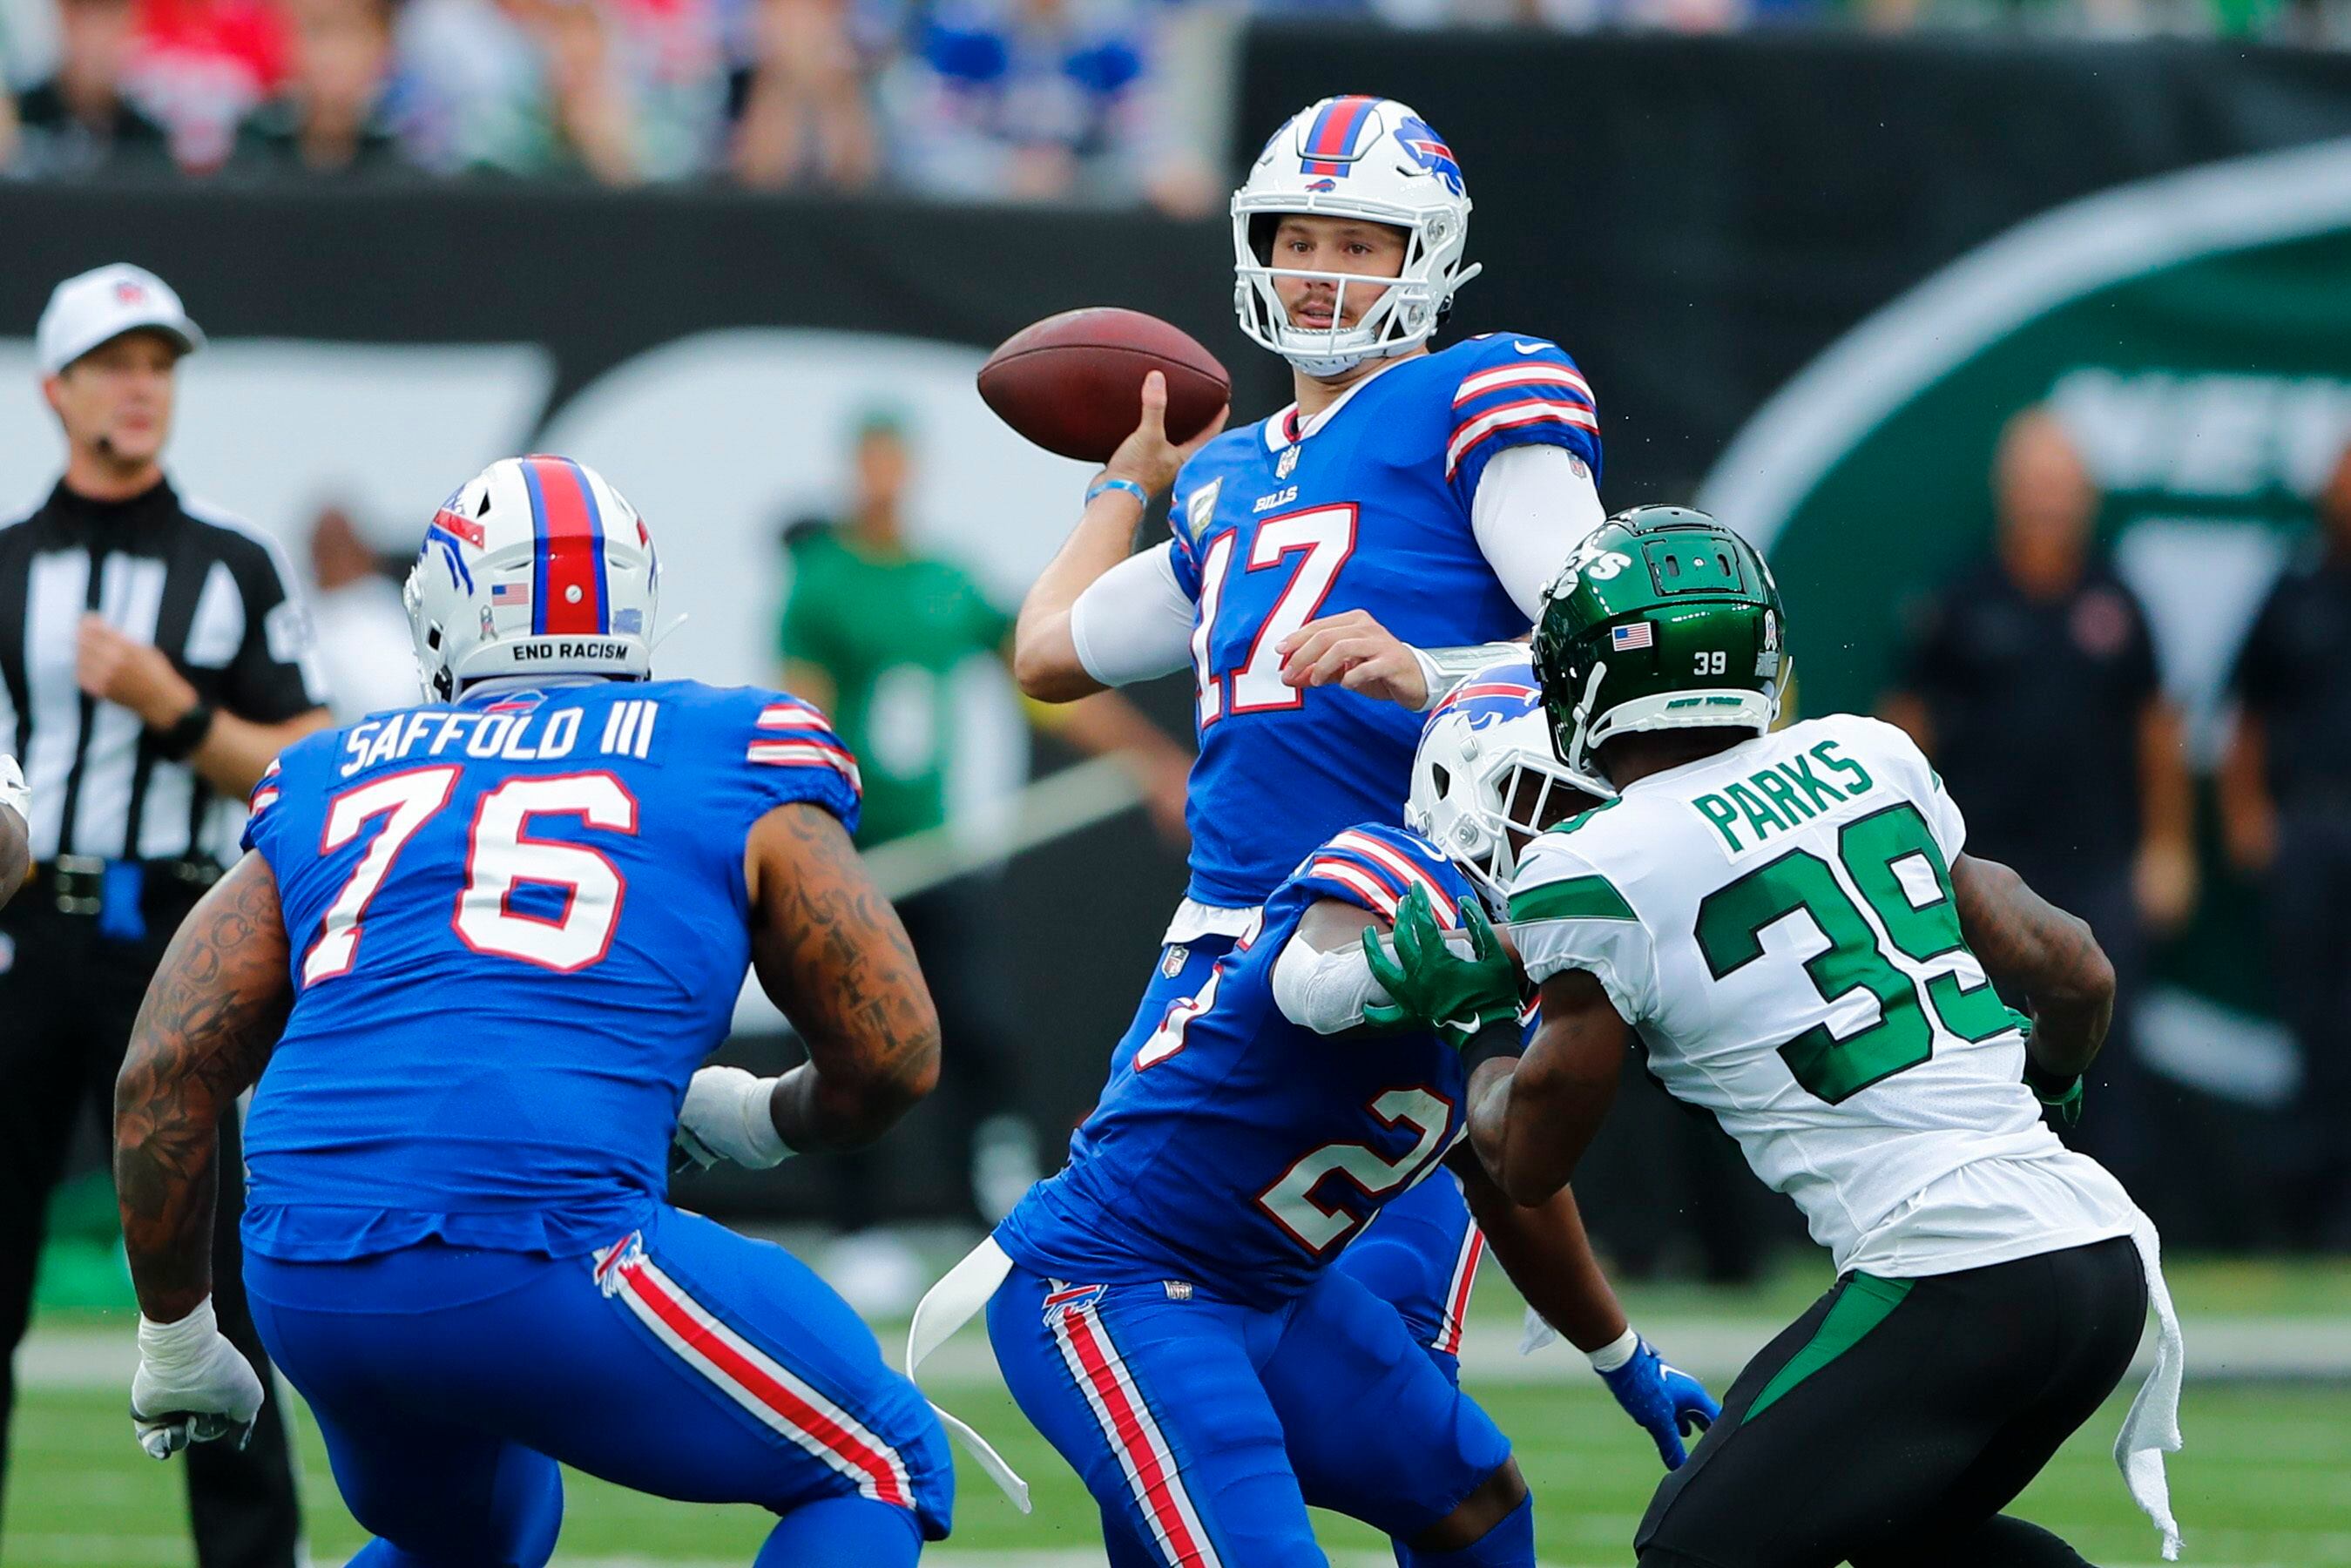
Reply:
x=1580, y=749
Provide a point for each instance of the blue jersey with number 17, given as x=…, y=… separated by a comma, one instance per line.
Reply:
x=1370, y=511
x=1238, y=1151
x=516, y=925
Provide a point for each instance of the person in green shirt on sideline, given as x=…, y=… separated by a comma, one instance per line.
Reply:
x=873, y=632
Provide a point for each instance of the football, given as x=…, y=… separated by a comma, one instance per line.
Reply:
x=1072, y=383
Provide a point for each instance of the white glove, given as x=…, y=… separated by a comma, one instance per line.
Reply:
x=192, y=1385
x=726, y=1117
x=13, y=792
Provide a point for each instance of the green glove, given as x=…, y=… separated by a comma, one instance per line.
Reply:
x=1435, y=987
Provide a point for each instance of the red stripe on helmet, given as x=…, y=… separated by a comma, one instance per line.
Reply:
x=1335, y=128
x=571, y=598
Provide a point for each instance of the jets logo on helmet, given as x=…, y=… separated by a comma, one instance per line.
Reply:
x=1484, y=780
x=1353, y=157
x=1681, y=630
x=536, y=566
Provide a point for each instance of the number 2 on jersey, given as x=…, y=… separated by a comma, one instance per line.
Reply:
x=499, y=854
x=1324, y=538
x=1731, y=920
x=1318, y=1226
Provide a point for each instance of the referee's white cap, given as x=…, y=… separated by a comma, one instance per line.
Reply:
x=100, y=304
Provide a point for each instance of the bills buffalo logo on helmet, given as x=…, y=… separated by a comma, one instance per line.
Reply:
x=1428, y=150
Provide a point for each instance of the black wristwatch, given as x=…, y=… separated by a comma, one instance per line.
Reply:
x=187, y=733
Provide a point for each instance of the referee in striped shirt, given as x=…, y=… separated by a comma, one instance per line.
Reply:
x=154, y=659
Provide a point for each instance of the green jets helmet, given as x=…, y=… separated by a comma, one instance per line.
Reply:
x=1663, y=619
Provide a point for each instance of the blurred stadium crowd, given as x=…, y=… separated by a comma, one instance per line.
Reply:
x=1095, y=100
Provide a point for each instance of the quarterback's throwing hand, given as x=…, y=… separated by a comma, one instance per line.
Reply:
x=192, y=1385
x=1352, y=650
x=1148, y=457
x=1667, y=1401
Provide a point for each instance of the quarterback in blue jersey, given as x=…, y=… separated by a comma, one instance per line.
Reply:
x=499, y=931
x=1168, y=1318
x=1368, y=542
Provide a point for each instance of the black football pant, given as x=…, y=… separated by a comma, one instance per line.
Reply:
x=1890, y=1424
x=68, y=999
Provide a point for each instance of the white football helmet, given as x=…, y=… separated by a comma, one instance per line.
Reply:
x=537, y=566
x=1485, y=778
x=1370, y=158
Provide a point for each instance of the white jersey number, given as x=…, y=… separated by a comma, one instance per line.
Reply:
x=406, y=801
x=1319, y=1226
x=1322, y=538
x=500, y=856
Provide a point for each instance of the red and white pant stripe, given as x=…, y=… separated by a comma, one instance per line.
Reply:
x=761, y=1384
x=1457, y=1293
x=1134, y=1437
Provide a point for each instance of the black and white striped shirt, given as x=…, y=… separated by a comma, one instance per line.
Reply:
x=213, y=593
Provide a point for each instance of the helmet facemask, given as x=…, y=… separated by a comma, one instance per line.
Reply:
x=1410, y=307
x=1482, y=795
x=1372, y=161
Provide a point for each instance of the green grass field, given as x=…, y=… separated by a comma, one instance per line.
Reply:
x=2263, y=1480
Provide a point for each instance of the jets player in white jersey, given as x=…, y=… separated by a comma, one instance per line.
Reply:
x=1789, y=923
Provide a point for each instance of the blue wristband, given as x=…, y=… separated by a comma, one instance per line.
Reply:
x=1142, y=496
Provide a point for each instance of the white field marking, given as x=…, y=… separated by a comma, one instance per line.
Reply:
x=2221, y=1349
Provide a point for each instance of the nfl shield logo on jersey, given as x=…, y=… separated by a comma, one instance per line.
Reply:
x=1173, y=964
x=1286, y=463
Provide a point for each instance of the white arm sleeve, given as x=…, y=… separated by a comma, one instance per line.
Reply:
x=1534, y=505
x=1325, y=992
x=1135, y=621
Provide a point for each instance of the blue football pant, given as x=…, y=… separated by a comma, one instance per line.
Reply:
x=1204, y=1428
x=681, y=1360
x=1420, y=1254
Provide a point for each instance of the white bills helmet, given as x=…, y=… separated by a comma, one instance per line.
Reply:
x=1369, y=158
x=537, y=566
x=1485, y=780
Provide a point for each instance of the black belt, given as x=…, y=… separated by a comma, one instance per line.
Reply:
x=77, y=883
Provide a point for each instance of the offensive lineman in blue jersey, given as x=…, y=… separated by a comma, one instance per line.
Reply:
x=1167, y=1319
x=501, y=931
x=1367, y=542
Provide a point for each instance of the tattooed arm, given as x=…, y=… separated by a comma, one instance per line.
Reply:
x=2027, y=944
x=204, y=1033
x=830, y=952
